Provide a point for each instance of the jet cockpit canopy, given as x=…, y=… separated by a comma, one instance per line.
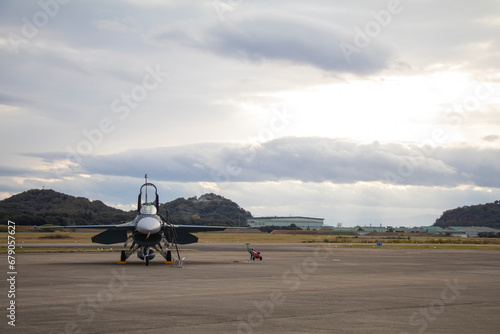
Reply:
x=144, y=203
x=148, y=209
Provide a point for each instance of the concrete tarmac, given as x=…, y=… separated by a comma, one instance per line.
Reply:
x=297, y=288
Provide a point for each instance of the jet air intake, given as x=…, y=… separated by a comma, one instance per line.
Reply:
x=148, y=224
x=147, y=239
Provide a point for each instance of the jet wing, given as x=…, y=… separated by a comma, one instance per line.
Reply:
x=201, y=228
x=184, y=235
x=129, y=225
x=118, y=233
x=113, y=234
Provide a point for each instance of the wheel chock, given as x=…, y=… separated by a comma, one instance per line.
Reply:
x=169, y=262
x=122, y=262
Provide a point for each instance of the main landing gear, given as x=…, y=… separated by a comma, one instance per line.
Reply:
x=147, y=253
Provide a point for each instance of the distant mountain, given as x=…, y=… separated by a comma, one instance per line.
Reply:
x=208, y=209
x=487, y=215
x=39, y=207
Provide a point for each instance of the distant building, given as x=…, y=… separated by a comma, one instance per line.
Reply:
x=469, y=231
x=302, y=222
x=431, y=229
x=361, y=230
x=373, y=229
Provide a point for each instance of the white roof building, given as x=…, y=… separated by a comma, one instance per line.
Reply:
x=302, y=222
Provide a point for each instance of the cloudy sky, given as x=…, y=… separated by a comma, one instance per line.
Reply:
x=341, y=110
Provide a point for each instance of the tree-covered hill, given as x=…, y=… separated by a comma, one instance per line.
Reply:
x=39, y=207
x=209, y=209
x=487, y=215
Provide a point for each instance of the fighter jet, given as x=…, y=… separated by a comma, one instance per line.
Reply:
x=150, y=231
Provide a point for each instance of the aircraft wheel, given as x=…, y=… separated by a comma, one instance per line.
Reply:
x=123, y=257
x=147, y=260
x=169, y=256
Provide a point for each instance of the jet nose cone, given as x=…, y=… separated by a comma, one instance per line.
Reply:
x=148, y=225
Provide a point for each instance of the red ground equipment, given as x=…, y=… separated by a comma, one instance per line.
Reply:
x=253, y=253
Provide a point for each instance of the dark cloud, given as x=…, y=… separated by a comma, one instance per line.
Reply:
x=292, y=40
x=312, y=159
x=478, y=166
x=12, y=99
x=296, y=42
x=10, y=171
x=23, y=172
x=491, y=138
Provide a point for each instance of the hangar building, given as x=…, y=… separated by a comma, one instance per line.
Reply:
x=302, y=222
